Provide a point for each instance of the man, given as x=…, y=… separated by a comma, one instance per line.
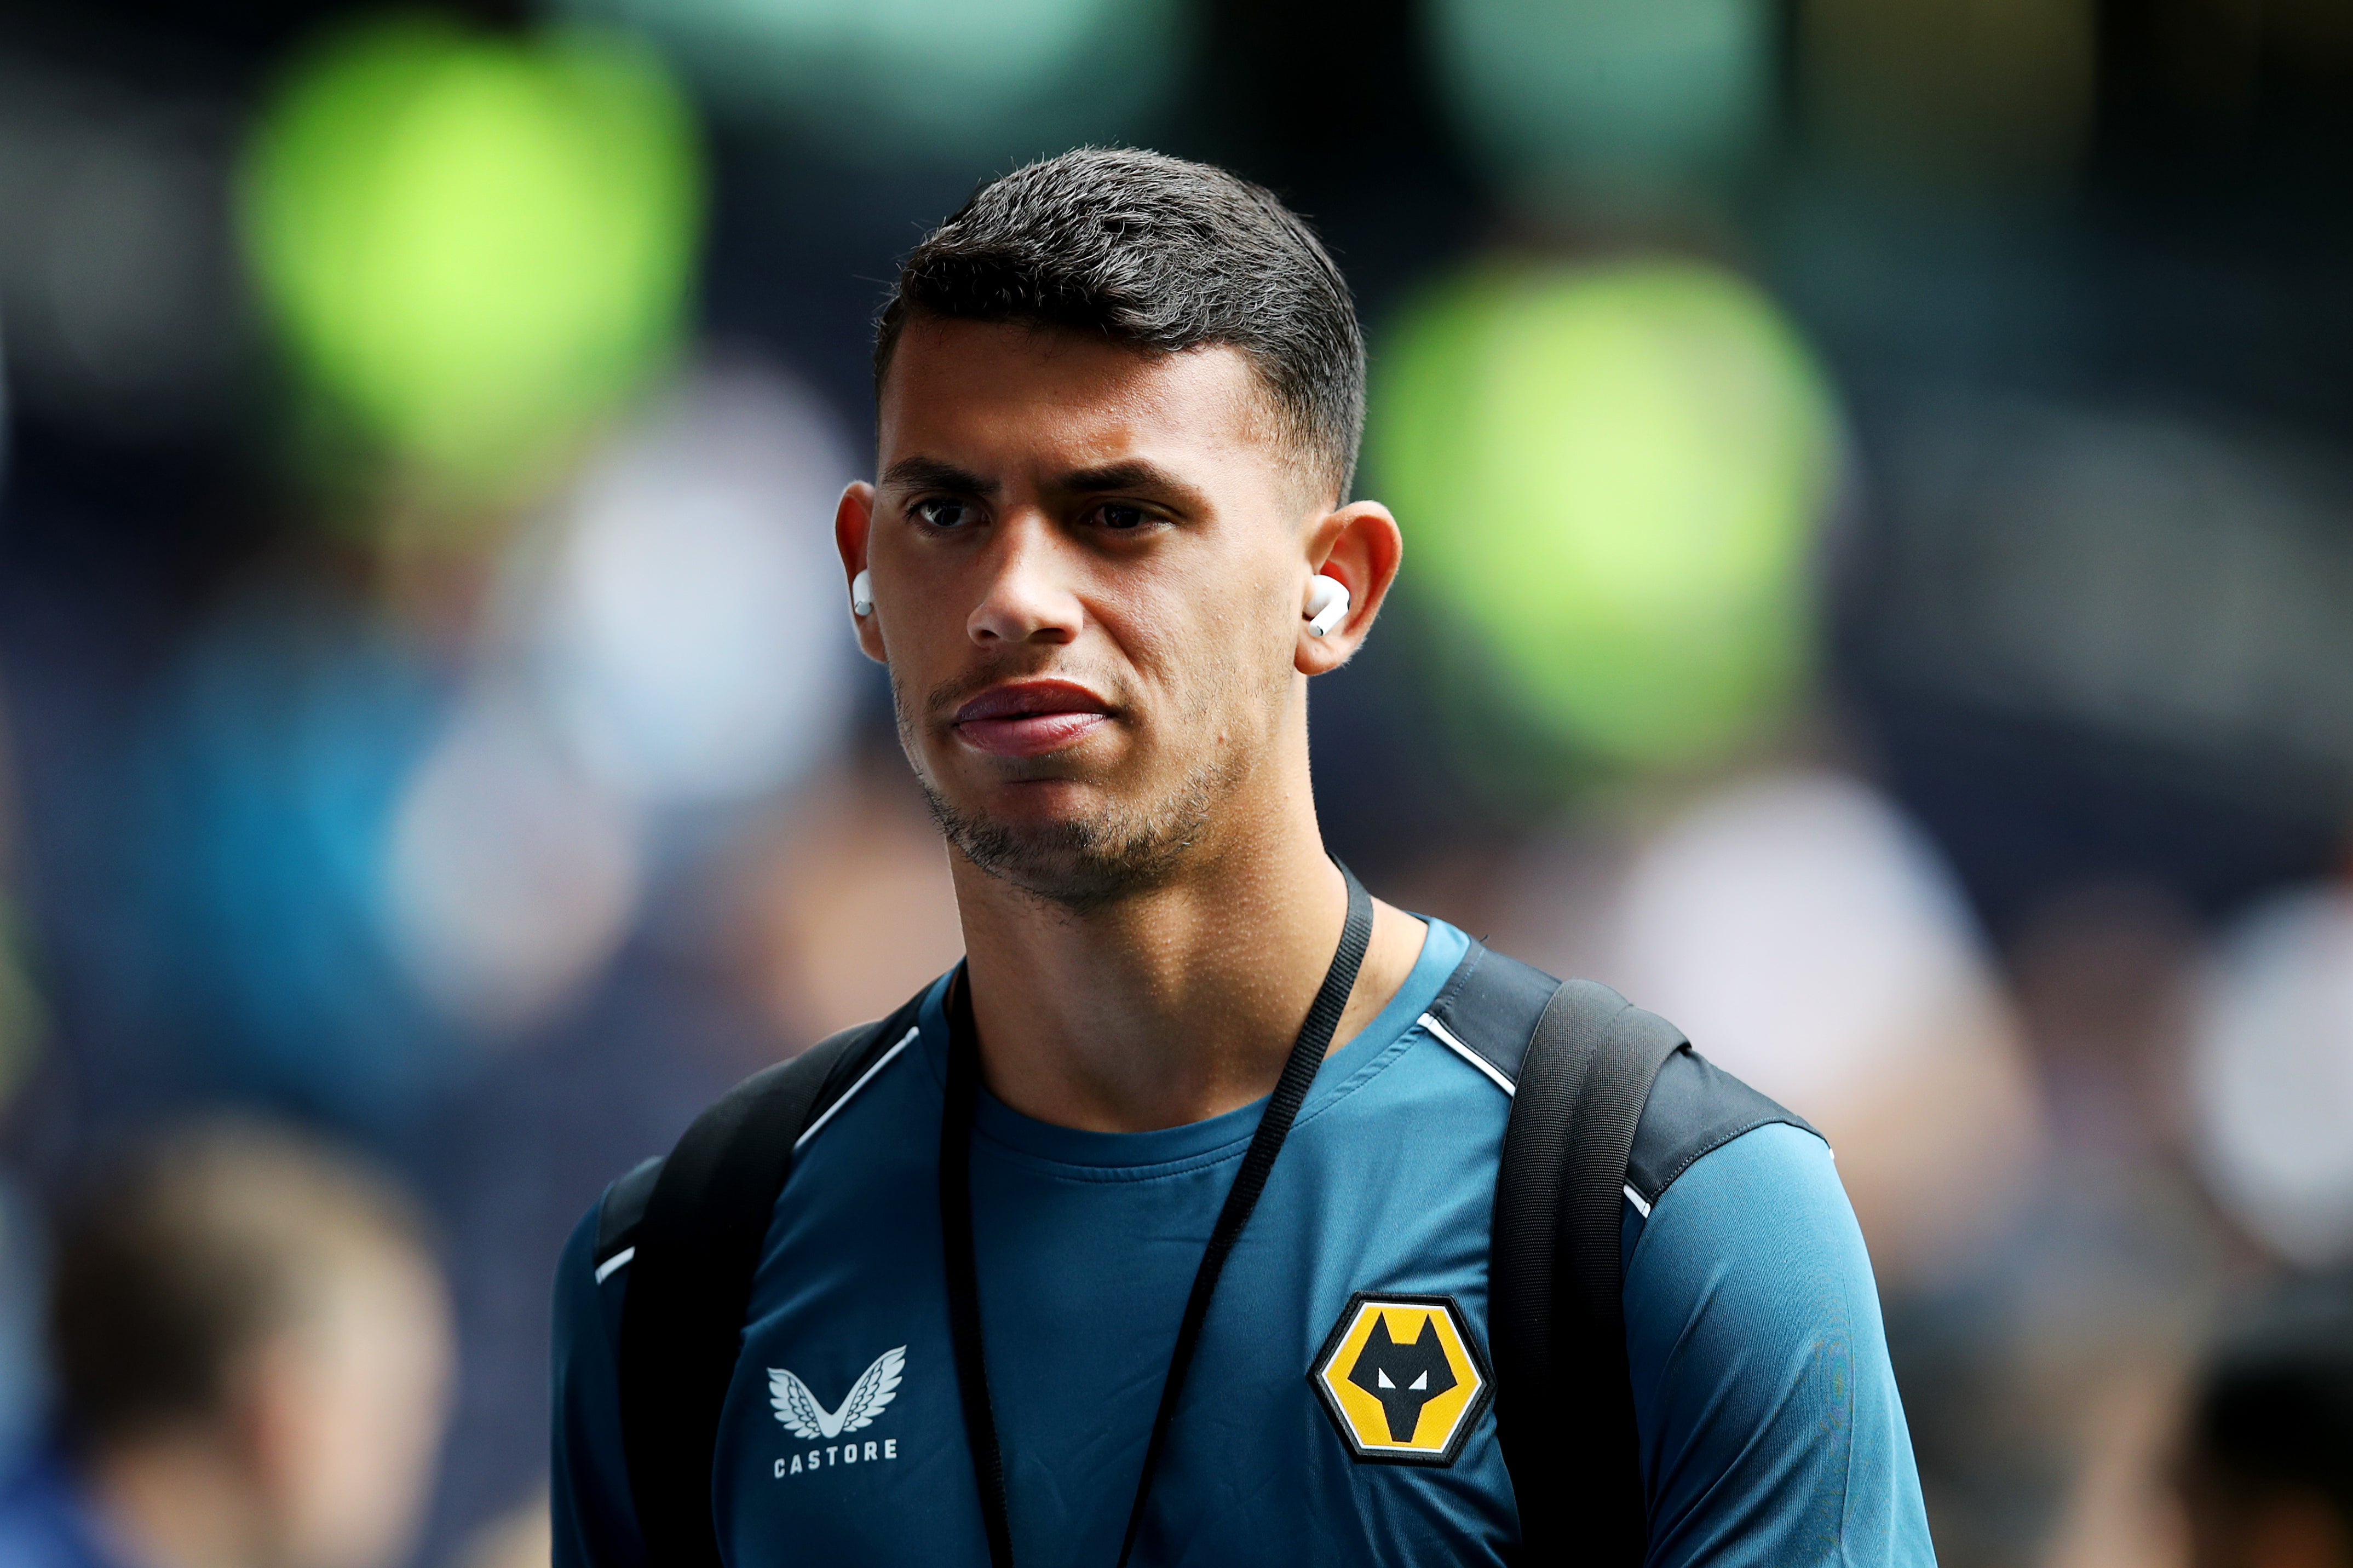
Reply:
x=251, y=1354
x=1119, y=401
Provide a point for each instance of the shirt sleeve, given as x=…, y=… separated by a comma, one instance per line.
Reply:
x=1770, y=1427
x=596, y=1523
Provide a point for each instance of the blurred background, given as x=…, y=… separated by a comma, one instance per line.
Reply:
x=1879, y=503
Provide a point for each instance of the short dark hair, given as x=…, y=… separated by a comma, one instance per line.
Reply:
x=1156, y=254
x=190, y=1251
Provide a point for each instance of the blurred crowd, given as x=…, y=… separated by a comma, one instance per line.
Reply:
x=1878, y=492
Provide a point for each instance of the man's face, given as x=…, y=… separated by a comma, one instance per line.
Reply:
x=1088, y=567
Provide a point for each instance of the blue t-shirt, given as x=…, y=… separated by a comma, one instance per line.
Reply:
x=1769, y=1424
x=46, y=1523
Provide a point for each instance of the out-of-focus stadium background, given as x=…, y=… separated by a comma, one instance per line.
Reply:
x=1879, y=591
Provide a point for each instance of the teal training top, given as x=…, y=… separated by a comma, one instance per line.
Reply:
x=1339, y=1408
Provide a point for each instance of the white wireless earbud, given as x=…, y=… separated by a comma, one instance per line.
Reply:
x=862, y=593
x=1327, y=604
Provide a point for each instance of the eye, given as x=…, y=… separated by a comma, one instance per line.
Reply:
x=945, y=511
x=1120, y=518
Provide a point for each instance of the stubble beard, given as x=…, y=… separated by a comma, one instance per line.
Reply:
x=1079, y=864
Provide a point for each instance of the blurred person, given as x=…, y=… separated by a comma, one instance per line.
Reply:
x=1120, y=397
x=2267, y=1480
x=1795, y=920
x=2062, y=1357
x=854, y=854
x=251, y=1358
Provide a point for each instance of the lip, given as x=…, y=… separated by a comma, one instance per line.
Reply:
x=1030, y=718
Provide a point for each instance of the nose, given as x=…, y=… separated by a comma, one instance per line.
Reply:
x=1027, y=595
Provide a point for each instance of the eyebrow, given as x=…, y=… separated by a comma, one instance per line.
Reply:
x=1133, y=475
x=932, y=474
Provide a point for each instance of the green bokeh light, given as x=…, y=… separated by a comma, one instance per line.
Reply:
x=477, y=246
x=1617, y=476
x=878, y=80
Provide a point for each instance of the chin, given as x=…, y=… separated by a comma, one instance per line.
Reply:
x=1046, y=805
x=1061, y=841
x=1054, y=793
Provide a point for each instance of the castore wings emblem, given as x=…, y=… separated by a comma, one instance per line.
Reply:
x=804, y=1417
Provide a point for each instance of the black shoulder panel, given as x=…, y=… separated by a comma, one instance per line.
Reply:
x=624, y=1200
x=624, y=1206
x=1491, y=1004
x=1695, y=1107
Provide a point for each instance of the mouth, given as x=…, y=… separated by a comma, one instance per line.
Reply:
x=1030, y=718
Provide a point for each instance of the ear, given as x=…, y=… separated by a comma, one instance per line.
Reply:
x=853, y=524
x=1362, y=546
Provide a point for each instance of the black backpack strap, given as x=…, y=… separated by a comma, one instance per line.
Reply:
x=703, y=1222
x=1565, y=1400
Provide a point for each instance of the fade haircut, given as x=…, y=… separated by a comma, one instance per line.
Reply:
x=1155, y=254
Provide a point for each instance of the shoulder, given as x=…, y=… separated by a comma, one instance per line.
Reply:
x=1771, y=1428
x=746, y=1141
x=1489, y=1008
x=1696, y=1107
x=611, y=1227
x=1766, y=1202
x=592, y=1272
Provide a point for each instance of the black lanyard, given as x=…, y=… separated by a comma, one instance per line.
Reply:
x=955, y=1221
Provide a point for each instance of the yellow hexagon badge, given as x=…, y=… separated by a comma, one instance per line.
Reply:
x=1403, y=1378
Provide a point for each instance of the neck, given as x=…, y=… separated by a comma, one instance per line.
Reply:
x=1176, y=1004
x=178, y=1500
